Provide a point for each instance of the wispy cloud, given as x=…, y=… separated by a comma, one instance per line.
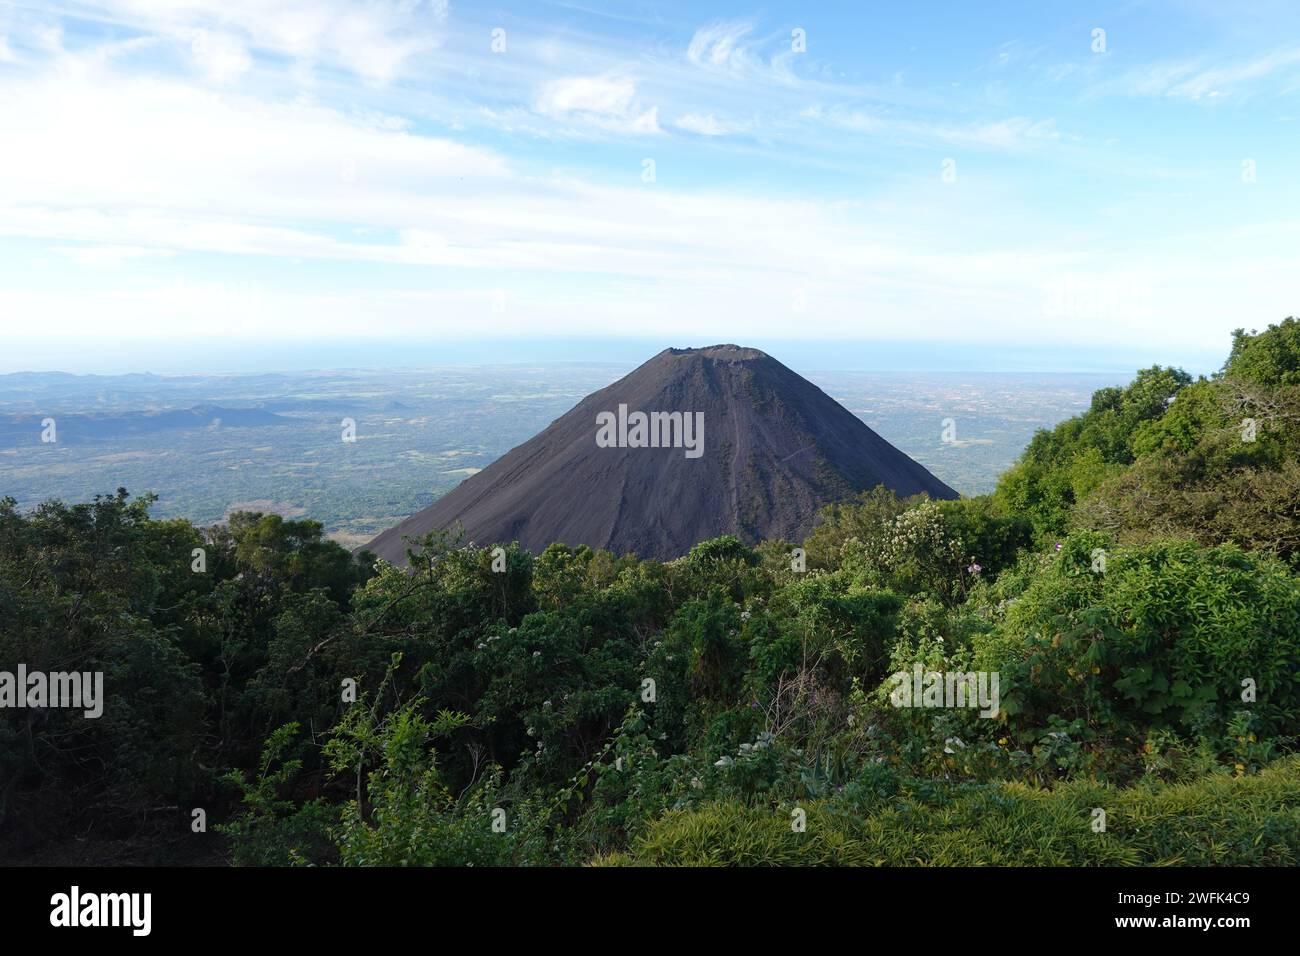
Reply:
x=1201, y=80
x=731, y=48
x=1230, y=79
x=706, y=124
x=1011, y=133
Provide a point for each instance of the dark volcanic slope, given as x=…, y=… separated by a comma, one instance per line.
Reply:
x=776, y=448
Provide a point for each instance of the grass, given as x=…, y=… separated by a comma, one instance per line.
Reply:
x=1217, y=820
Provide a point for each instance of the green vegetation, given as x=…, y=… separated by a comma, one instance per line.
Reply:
x=1213, y=460
x=1132, y=582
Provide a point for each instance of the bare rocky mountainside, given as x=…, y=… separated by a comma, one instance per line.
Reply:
x=773, y=449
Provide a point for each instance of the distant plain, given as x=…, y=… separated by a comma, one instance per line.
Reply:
x=210, y=444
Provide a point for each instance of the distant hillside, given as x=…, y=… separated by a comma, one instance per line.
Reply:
x=775, y=449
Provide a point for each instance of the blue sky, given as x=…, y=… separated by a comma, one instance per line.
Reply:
x=232, y=183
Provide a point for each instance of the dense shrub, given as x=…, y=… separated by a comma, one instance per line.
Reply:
x=1167, y=635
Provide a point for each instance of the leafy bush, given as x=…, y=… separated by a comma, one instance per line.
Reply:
x=1166, y=636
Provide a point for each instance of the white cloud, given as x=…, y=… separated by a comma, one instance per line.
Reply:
x=109, y=255
x=1017, y=131
x=113, y=144
x=125, y=168
x=710, y=125
x=220, y=56
x=587, y=94
x=1012, y=133
x=606, y=101
x=375, y=40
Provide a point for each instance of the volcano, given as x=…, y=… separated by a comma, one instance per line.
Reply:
x=693, y=444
